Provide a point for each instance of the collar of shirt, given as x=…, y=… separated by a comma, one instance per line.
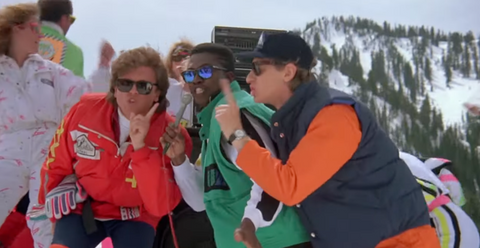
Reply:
x=54, y=26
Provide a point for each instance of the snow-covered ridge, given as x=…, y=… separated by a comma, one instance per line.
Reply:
x=448, y=100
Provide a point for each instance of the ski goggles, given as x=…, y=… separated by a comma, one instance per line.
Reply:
x=204, y=72
x=126, y=85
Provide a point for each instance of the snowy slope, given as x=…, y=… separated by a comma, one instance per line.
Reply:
x=448, y=100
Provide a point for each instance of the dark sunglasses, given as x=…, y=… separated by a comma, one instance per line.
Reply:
x=126, y=85
x=204, y=72
x=256, y=65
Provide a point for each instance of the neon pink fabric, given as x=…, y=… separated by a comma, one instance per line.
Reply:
x=448, y=178
x=439, y=201
x=107, y=243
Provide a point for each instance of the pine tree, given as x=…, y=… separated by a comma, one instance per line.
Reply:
x=409, y=81
x=475, y=61
x=425, y=112
x=448, y=72
x=316, y=48
x=428, y=72
x=467, y=65
x=335, y=57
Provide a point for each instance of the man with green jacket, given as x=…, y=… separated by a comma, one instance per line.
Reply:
x=56, y=18
x=231, y=199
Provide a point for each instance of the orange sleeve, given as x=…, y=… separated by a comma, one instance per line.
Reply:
x=331, y=140
x=60, y=159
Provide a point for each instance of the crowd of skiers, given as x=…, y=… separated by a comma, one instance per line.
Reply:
x=318, y=172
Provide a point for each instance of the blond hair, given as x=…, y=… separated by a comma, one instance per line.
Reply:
x=135, y=58
x=303, y=76
x=10, y=16
x=184, y=43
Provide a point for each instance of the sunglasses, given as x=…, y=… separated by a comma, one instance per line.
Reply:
x=126, y=85
x=179, y=58
x=257, y=64
x=204, y=72
x=34, y=26
x=72, y=19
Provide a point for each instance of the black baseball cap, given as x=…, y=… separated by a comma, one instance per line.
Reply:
x=287, y=47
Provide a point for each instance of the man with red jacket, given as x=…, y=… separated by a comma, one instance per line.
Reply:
x=105, y=174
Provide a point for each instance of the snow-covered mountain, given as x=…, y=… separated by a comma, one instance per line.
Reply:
x=448, y=100
x=415, y=79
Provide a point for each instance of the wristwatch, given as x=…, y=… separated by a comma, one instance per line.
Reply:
x=238, y=134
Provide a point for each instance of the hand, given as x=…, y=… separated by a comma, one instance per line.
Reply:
x=61, y=200
x=139, y=126
x=246, y=234
x=174, y=137
x=228, y=115
x=106, y=54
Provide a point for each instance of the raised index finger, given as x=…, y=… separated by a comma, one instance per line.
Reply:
x=227, y=92
x=152, y=111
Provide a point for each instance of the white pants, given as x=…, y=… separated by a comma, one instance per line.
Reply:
x=22, y=154
x=450, y=219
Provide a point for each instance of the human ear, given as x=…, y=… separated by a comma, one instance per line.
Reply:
x=289, y=72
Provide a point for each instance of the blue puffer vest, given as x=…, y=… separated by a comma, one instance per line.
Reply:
x=371, y=198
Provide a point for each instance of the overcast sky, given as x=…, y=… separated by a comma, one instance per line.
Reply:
x=132, y=23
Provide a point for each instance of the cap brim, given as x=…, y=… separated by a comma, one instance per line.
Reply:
x=250, y=55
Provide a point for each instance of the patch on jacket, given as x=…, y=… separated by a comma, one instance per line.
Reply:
x=47, y=81
x=52, y=48
x=214, y=179
x=84, y=148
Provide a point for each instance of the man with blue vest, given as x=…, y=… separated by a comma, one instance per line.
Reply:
x=335, y=164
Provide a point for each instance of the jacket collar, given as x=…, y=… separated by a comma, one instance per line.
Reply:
x=32, y=57
x=53, y=26
x=295, y=104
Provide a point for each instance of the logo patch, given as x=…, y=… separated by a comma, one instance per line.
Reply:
x=47, y=82
x=261, y=40
x=214, y=179
x=129, y=213
x=45, y=49
x=84, y=148
x=52, y=49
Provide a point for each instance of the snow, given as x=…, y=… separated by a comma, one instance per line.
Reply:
x=448, y=100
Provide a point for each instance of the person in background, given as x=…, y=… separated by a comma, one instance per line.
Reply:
x=455, y=229
x=106, y=159
x=229, y=196
x=35, y=94
x=335, y=164
x=472, y=105
x=439, y=166
x=175, y=60
x=56, y=18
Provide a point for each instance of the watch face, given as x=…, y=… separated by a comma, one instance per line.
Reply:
x=239, y=133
